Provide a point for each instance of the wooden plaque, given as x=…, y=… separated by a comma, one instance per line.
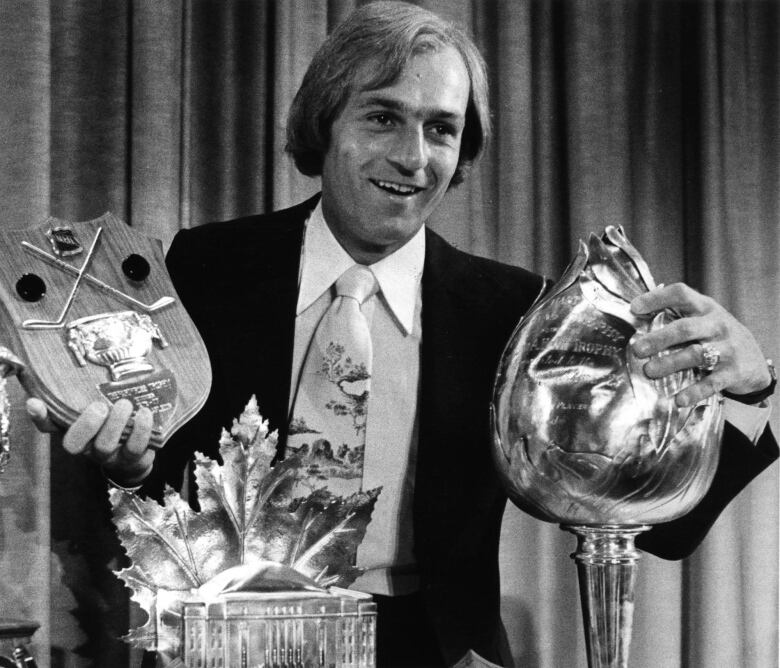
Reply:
x=91, y=312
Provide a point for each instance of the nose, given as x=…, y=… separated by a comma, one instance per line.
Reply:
x=409, y=151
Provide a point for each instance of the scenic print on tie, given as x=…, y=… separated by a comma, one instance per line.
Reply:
x=352, y=381
x=332, y=439
x=328, y=420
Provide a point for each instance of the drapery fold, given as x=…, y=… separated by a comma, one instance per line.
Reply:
x=658, y=115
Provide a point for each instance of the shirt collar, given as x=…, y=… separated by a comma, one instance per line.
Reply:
x=324, y=260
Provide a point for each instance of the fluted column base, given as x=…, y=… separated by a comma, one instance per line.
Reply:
x=607, y=566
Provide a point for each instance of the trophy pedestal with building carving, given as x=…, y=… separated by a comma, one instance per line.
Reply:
x=334, y=628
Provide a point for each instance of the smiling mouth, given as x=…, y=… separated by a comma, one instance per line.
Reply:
x=401, y=189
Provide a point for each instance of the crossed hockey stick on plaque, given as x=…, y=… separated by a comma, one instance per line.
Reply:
x=81, y=274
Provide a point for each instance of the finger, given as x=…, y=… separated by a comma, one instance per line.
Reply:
x=39, y=414
x=85, y=428
x=131, y=463
x=138, y=442
x=672, y=361
x=701, y=390
x=675, y=333
x=677, y=296
x=107, y=440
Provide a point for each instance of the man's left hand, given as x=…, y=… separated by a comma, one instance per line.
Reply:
x=705, y=327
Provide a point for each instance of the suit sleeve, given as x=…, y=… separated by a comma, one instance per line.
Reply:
x=740, y=462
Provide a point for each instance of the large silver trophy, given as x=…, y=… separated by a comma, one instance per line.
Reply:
x=583, y=438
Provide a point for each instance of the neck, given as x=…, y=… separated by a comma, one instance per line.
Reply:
x=368, y=255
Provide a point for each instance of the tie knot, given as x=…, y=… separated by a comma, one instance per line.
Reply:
x=357, y=282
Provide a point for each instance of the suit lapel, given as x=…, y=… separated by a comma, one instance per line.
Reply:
x=274, y=329
x=455, y=370
x=456, y=298
x=263, y=335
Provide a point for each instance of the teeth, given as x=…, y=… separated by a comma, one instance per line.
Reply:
x=397, y=187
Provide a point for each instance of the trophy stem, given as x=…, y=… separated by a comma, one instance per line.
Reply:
x=607, y=566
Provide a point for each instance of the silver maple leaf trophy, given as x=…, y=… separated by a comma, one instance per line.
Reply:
x=258, y=575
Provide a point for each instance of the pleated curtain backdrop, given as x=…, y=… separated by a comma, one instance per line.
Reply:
x=657, y=115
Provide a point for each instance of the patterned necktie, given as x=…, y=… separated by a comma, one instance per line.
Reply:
x=328, y=425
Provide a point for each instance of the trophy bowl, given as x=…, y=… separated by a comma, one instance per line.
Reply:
x=119, y=341
x=583, y=438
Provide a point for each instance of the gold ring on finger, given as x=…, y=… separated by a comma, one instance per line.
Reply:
x=710, y=356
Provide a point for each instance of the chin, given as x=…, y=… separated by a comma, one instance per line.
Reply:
x=401, y=233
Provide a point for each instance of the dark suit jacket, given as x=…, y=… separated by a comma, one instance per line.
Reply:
x=238, y=280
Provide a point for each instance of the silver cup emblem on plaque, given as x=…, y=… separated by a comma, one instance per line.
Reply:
x=122, y=342
x=582, y=437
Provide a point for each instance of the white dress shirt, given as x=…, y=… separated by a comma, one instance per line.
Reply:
x=750, y=420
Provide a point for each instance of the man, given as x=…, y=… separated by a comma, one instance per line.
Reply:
x=391, y=113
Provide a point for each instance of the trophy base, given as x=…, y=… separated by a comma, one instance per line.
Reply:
x=15, y=634
x=607, y=565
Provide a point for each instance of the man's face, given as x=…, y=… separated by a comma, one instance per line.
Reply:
x=392, y=154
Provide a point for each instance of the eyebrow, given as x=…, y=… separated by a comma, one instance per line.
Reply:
x=396, y=105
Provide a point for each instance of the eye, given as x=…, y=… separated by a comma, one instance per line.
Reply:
x=443, y=133
x=443, y=129
x=381, y=118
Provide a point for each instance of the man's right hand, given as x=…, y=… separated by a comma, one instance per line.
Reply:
x=96, y=434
